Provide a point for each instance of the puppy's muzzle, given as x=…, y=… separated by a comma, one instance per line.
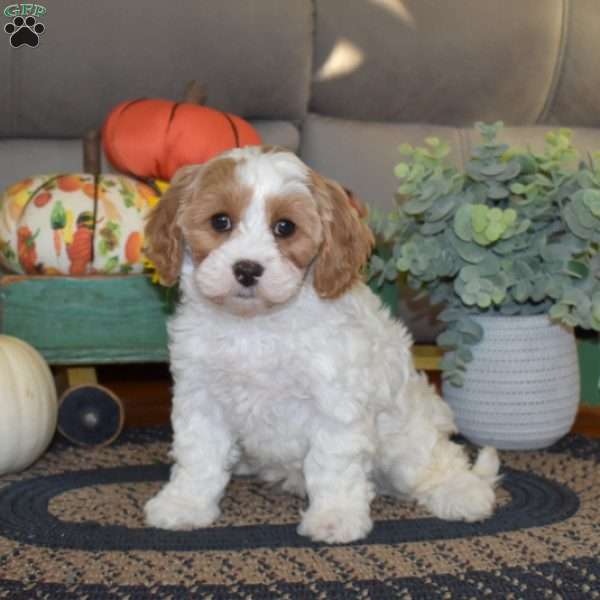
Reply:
x=247, y=272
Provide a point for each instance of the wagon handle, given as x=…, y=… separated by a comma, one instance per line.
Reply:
x=195, y=93
x=91, y=152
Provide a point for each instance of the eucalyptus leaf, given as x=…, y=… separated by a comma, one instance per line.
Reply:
x=417, y=206
x=578, y=269
x=465, y=354
x=471, y=329
x=493, y=169
x=454, y=314
x=511, y=170
x=518, y=188
x=510, y=309
x=441, y=208
x=448, y=362
x=462, y=223
x=433, y=228
x=377, y=262
x=401, y=170
x=448, y=339
x=497, y=191
x=571, y=218
x=521, y=291
x=471, y=253
x=457, y=379
x=489, y=266
x=479, y=217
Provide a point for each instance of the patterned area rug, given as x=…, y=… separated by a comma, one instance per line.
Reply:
x=71, y=527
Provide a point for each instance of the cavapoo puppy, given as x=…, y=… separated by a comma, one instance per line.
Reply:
x=286, y=365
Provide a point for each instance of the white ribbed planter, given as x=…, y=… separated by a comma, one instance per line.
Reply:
x=521, y=390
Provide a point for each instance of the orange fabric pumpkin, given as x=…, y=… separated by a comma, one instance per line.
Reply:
x=154, y=138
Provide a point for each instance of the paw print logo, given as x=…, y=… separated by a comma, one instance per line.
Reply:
x=24, y=31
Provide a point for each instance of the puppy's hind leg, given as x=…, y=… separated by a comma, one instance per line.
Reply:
x=418, y=459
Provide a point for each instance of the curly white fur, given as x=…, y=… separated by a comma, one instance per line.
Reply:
x=318, y=394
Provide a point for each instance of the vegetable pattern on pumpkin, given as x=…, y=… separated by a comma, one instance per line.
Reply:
x=27, y=251
x=18, y=196
x=148, y=194
x=133, y=247
x=58, y=221
x=128, y=194
x=111, y=265
x=80, y=249
x=110, y=236
x=7, y=252
x=54, y=216
x=69, y=183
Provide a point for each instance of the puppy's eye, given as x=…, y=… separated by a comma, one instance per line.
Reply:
x=284, y=228
x=221, y=222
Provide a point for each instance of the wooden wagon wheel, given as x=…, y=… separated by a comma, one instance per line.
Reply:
x=88, y=414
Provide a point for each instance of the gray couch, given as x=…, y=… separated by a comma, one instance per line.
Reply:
x=341, y=82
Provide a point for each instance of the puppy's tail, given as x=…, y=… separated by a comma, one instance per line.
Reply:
x=487, y=465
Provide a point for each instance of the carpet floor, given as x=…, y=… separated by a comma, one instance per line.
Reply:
x=71, y=526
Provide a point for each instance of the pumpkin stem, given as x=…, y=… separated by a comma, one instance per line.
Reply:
x=195, y=93
x=91, y=152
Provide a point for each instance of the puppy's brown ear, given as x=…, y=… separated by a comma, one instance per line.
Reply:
x=347, y=240
x=163, y=235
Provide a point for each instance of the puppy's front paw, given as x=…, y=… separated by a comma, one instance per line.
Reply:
x=171, y=511
x=335, y=525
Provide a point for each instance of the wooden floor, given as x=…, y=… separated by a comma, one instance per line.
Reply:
x=145, y=391
x=588, y=421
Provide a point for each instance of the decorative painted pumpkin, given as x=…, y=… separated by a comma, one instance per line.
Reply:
x=74, y=224
x=28, y=405
x=154, y=138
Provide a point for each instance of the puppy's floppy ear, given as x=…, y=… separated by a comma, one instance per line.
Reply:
x=163, y=235
x=347, y=240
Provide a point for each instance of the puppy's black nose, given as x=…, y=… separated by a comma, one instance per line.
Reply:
x=247, y=272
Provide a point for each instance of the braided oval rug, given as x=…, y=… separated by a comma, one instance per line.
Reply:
x=71, y=526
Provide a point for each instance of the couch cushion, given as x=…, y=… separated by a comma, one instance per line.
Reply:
x=253, y=57
x=20, y=158
x=278, y=133
x=575, y=99
x=362, y=155
x=446, y=62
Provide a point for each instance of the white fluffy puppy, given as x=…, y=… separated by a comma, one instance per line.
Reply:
x=285, y=364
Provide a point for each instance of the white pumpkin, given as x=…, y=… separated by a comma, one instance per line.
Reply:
x=28, y=405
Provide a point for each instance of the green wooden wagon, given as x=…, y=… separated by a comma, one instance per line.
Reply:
x=79, y=322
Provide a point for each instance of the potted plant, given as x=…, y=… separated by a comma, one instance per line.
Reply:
x=510, y=247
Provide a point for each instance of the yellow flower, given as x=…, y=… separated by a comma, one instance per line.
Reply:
x=162, y=185
x=152, y=201
x=150, y=268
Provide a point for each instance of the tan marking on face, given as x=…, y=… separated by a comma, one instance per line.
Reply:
x=303, y=245
x=218, y=191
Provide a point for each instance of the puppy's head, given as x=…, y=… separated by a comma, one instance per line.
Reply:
x=251, y=225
